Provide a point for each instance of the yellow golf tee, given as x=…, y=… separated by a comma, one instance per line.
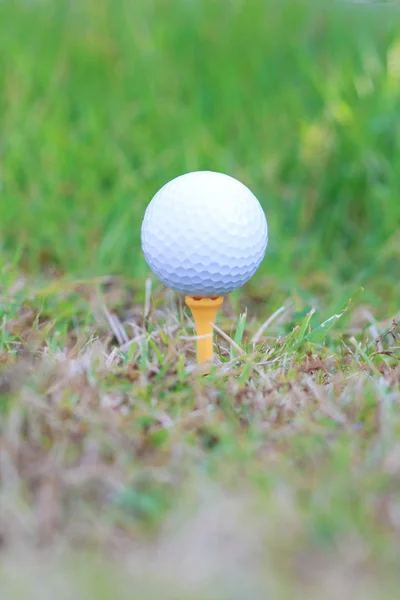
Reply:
x=204, y=311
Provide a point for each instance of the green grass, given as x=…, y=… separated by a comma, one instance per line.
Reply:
x=102, y=103
x=124, y=472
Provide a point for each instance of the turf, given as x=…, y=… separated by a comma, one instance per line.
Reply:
x=124, y=471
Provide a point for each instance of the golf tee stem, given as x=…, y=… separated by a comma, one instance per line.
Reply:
x=204, y=311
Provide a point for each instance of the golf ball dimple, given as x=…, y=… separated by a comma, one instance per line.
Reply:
x=204, y=234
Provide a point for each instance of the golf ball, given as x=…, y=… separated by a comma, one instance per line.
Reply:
x=204, y=234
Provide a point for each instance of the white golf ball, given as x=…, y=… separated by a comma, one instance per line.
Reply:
x=204, y=234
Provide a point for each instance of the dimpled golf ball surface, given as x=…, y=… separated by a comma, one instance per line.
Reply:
x=204, y=234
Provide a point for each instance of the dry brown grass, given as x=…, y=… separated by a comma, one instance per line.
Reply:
x=277, y=472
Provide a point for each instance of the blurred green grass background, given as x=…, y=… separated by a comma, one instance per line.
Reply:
x=101, y=103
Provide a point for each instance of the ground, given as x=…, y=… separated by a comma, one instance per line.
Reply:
x=124, y=470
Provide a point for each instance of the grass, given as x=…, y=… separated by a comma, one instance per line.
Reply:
x=123, y=471
x=284, y=459
x=103, y=103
